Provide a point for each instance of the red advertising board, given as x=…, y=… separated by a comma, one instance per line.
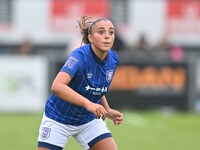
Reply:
x=183, y=18
x=64, y=13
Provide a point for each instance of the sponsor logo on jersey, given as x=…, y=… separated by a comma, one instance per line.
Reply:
x=96, y=91
x=109, y=75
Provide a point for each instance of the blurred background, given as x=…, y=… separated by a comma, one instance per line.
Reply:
x=158, y=42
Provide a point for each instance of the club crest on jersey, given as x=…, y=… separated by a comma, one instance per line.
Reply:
x=45, y=133
x=71, y=62
x=109, y=75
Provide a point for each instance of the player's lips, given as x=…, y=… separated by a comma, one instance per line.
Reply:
x=106, y=43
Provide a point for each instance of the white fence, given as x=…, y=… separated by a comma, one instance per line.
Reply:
x=23, y=83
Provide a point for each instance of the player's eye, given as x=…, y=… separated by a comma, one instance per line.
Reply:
x=111, y=32
x=100, y=32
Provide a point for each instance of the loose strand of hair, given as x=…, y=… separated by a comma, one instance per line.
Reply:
x=84, y=23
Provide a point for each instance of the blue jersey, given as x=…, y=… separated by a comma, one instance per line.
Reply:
x=90, y=77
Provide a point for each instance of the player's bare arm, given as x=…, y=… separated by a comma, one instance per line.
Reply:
x=61, y=89
x=112, y=114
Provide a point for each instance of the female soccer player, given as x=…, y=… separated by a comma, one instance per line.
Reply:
x=77, y=106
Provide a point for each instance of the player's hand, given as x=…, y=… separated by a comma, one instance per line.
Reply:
x=115, y=116
x=98, y=110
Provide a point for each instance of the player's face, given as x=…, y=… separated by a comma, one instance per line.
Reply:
x=103, y=35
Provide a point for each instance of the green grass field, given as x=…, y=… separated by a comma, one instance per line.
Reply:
x=141, y=130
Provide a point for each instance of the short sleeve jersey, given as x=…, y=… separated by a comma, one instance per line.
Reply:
x=90, y=77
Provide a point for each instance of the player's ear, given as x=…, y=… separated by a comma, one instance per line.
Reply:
x=90, y=38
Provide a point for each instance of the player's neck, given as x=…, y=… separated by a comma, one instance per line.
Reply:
x=100, y=54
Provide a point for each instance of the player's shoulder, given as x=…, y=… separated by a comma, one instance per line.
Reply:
x=82, y=49
x=80, y=52
x=114, y=55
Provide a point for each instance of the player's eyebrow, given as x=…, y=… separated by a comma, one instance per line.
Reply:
x=104, y=28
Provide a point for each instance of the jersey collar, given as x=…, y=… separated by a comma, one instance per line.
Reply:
x=97, y=59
